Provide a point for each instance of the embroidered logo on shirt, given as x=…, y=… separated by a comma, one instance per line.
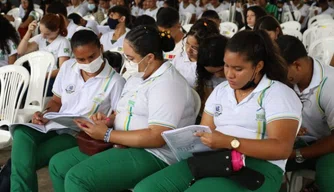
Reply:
x=70, y=89
x=66, y=50
x=14, y=46
x=218, y=110
x=99, y=98
x=260, y=115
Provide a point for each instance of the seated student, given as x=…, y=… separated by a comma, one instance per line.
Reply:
x=59, y=8
x=172, y=4
x=78, y=20
x=52, y=39
x=270, y=25
x=151, y=9
x=254, y=13
x=9, y=39
x=104, y=6
x=84, y=85
x=168, y=19
x=96, y=11
x=313, y=82
x=210, y=66
x=253, y=112
x=303, y=7
x=137, y=8
x=269, y=6
x=119, y=18
x=203, y=6
x=217, y=6
x=325, y=9
x=186, y=7
x=185, y=62
x=155, y=99
x=213, y=15
x=77, y=7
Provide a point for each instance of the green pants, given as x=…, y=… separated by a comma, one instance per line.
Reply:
x=111, y=170
x=176, y=178
x=31, y=151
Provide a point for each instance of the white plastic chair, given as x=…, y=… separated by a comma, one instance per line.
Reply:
x=187, y=27
x=40, y=63
x=287, y=16
x=323, y=23
x=318, y=18
x=323, y=49
x=291, y=25
x=40, y=13
x=15, y=12
x=185, y=18
x=296, y=179
x=104, y=21
x=36, y=6
x=89, y=17
x=228, y=29
x=198, y=102
x=224, y=15
x=314, y=33
x=17, y=23
x=292, y=32
x=14, y=81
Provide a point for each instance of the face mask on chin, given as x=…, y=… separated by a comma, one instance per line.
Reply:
x=250, y=83
x=93, y=66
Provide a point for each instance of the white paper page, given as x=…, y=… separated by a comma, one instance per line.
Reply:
x=40, y=128
x=63, y=120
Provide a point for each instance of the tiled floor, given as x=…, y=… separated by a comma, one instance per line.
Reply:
x=44, y=181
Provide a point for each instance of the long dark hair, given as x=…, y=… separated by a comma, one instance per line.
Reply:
x=210, y=54
x=258, y=11
x=257, y=46
x=268, y=23
x=29, y=9
x=8, y=32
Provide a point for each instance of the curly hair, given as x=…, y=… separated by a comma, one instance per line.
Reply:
x=8, y=32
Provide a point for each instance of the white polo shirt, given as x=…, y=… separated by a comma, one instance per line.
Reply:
x=189, y=9
x=164, y=99
x=60, y=47
x=91, y=24
x=247, y=119
x=4, y=55
x=200, y=10
x=220, y=8
x=151, y=13
x=186, y=67
x=97, y=94
x=329, y=11
x=318, y=102
x=136, y=11
x=106, y=40
x=177, y=50
x=71, y=29
x=80, y=9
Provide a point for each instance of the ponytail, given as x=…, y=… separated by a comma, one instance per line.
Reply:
x=55, y=22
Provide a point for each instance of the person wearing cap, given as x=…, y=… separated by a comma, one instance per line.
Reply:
x=313, y=82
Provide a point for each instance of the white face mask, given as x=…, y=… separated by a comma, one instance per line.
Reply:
x=136, y=65
x=93, y=66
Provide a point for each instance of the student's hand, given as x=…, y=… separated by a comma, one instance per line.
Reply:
x=96, y=131
x=101, y=118
x=211, y=139
x=32, y=26
x=37, y=118
x=302, y=131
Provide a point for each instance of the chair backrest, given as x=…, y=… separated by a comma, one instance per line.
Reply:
x=185, y=18
x=318, y=18
x=323, y=49
x=15, y=12
x=40, y=13
x=13, y=81
x=287, y=16
x=89, y=17
x=40, y=62
x=291, y=25
x=17, y=23
x=314, y=33
x=36, y=6
x=323, y=23
x=104, y=21
x=228, y=29
x=187, y=27
x=224, y=15
x=292, y=32
x=198, y=101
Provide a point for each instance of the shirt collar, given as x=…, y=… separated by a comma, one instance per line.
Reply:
x=161, y=70
x=103, y=74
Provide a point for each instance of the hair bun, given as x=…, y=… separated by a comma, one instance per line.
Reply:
x=167, y=41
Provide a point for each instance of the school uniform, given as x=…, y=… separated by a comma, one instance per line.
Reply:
x=186, y=68
x=91, y=24
x=220, y=8
x=108, y=43
x=60, y=47
x=4, y=55
x=71, y=29
x=189, y=9
x=163, y=99
x=179, y=47
x=32, y=150
x=328, y=11
x=136, y=11
x=151, y=13
x=200, y=10
x=80, y=9
x=268, y=102
x=318, y=119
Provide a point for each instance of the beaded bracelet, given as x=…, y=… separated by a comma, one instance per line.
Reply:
x=107, y=135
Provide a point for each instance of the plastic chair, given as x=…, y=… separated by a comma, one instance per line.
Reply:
x=185, y=18
x=187, y=27
x=292, y=32
x=314, y=33
x=291, y=25
x=224, y=15
x=104, y=21
x=323, y=23
x=14, y=81
x=323, y=49
x=296, y=179
x=40, y=13
x=198, y=102
x=41, y=62
x=89, y=17
x=15, y=12
x=17, y=23
x=318, y=18
x=36, y=6
x=228, y=29
x=287, y=16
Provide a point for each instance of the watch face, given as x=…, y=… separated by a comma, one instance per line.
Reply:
x=235, y=143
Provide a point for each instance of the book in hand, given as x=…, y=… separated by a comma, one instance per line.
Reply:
x=183, y=143
x=57, y=121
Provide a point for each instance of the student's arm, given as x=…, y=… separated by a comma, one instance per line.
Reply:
x=12, y=59
x=62, y=60
x=53, y=106
x=25, y=46
x=193, y=18
x=26, y=22
x=9, y=18
x=301, y=19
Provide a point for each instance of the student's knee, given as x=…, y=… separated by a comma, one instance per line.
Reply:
x=58, y=166
x=325, y=172
x=78, y=177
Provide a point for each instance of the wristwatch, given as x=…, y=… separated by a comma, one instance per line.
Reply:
x=299, y=157
x=235, y=143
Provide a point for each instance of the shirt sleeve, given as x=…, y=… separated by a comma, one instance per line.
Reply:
x=327, y=104
x=93, y=26
x=166, y=103
x=212, y=102
x=64, y=48
x=116, y=92
x=192, y=9
x=33, y=14
x=57, y=86
x=13, y=48
x=37, y=39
